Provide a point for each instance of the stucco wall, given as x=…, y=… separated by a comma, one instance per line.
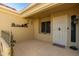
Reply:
x=38, y=35
x=19, y=33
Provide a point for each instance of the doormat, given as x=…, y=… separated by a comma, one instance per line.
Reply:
x=73, y=48
x=55, y=44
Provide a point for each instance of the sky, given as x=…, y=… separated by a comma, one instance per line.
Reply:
x=17, y=6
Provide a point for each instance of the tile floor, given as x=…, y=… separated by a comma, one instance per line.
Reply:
x=40, y=48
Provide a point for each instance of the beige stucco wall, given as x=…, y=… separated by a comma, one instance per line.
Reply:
x=37, y=34
x=19, y=33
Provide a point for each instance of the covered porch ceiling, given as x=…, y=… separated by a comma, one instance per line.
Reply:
x=46, y=10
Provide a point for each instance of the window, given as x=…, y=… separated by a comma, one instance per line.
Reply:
x=73, y=29
x=45, y=27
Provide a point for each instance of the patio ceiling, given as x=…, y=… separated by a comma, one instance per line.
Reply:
x=40, y=10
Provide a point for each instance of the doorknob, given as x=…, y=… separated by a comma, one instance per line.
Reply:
x=59, y=28
x=67, y=28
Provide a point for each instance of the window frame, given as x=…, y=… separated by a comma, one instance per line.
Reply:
x=45, y=20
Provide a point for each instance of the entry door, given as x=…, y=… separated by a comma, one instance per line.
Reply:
x=60, y=30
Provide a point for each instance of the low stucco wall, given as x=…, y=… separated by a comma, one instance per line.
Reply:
x=19, y=33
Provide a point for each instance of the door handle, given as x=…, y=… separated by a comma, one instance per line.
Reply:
x=59, y=28
x=67, y=28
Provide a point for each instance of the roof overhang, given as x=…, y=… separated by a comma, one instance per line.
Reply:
x=40, y=8
x=37, y=7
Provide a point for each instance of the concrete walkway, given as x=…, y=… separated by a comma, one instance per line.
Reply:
x=40, y=48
